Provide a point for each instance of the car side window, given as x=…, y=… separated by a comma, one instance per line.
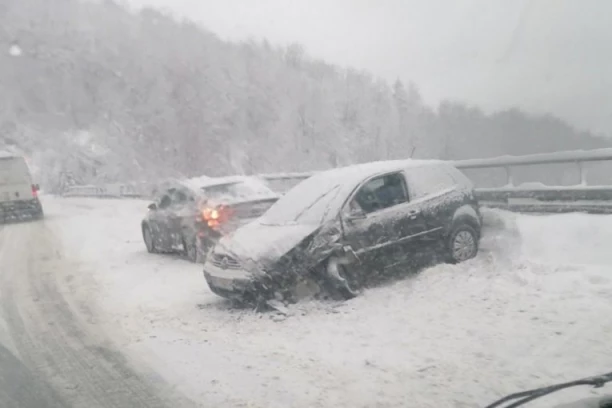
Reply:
x=380, y=192
x=179, y=198
x=166, y=200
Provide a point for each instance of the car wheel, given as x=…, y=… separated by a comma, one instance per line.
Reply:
x=204, y=249
x=462, y=244
x=190, y=249
x=149, y=239
x=341, y=281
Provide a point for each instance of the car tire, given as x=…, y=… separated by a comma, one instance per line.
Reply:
x=340, y=281
x=462, y=244
x=204, y=247
x=149, y=239
x=190, y=249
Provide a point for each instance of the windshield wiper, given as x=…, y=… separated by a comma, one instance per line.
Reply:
x=528, y=396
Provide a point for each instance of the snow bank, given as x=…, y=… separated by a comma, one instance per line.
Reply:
x=530, y=310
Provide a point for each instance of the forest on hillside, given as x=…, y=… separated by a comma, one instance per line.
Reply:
x=94, y=93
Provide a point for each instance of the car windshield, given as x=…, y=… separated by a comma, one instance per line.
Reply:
x=307, y=203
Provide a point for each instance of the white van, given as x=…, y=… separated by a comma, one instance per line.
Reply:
x=18, y=194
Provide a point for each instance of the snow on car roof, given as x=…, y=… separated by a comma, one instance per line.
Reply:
x=355, y=173
x=7, y=155
x=250, y=187
x=199, y=183
x=280, y=176
x=302, y=198
x=196, y=183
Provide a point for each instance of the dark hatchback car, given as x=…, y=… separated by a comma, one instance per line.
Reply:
x=339, y=228
x=191, y=216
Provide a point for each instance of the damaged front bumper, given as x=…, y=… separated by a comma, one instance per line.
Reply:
x=229, y=283
x=239, y=284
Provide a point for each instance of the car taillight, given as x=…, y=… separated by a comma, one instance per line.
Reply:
x=34, y=191
x=215, y=216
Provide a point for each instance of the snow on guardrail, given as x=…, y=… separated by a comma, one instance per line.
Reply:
x=528, y=197
x=279, y=182
x=556, y=199
x=109, y=191
x=538, y=197
x=571, y=156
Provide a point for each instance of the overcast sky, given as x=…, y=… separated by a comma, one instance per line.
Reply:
x=541, y=55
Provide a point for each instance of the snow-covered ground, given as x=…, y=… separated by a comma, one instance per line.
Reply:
x=532, y=309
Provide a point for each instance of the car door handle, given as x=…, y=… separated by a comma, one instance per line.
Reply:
x=414, y=214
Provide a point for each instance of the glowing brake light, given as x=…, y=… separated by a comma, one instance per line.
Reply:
x=215, y=216
x=210, y=214
x=34, y=191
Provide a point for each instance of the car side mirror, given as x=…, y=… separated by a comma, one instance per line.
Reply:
x=356, y=215
x=152, y=206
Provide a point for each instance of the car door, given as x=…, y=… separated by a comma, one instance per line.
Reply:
x=181, y=217
x=379, y=219
x=435, y=193
x=158, y=221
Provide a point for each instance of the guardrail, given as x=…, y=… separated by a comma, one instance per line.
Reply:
x=530, y=197
x=279, y=182
x=107, y=191
x=537, y=197
x=590, y=199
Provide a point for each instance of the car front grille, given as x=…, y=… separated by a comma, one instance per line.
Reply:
x=224, y=261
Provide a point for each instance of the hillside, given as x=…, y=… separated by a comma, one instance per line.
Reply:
x=94, y=93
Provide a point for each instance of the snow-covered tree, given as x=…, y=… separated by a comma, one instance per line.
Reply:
x=93, y=92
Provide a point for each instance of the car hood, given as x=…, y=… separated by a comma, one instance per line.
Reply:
x=264, y=243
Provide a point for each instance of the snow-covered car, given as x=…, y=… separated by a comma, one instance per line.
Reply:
x=18, y=195
x=339, y=226
x=283, y=182
x=190, y=216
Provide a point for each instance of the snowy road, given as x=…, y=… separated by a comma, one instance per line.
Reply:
x=59, y=345
x=98, y=322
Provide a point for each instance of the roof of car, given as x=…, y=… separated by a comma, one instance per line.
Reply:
x=7, y=155
x=198, y=183
x=343, y=180
x=355, y=173
x=342, y=175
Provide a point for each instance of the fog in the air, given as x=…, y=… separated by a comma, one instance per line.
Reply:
x=541, y=55
x=305, y=203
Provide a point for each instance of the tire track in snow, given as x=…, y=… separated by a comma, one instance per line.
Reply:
x=49, y=336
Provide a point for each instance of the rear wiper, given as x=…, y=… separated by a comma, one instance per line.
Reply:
x=528, y=396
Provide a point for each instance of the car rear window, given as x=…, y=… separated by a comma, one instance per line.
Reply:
x=14, y=171
x=238, y=190
x=427, y=180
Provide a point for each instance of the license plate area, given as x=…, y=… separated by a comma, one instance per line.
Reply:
x=223, y=283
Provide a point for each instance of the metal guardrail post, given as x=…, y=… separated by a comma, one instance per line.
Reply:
x=509, y=180
x=583, y=173
x=547, y=198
